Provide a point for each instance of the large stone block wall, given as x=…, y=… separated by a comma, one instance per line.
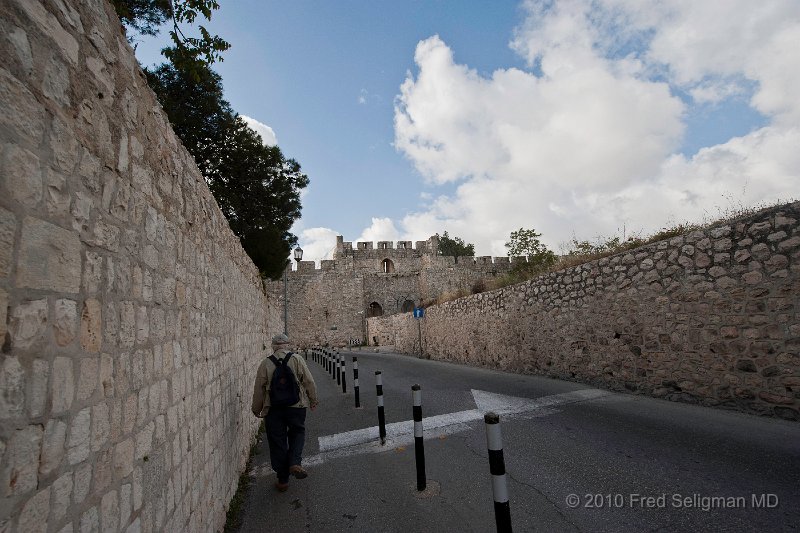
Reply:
x=328, y=305
x=132, y=319
x=711, y=317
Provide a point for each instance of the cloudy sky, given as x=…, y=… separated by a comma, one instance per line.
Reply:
x=578, y=118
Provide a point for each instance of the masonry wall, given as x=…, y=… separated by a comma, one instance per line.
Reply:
x=329, y=305
x=132, y=319
x=709, y=317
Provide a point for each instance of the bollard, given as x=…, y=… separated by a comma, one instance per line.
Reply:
x=355, y=381
x=419, y=443
x=381, y=416
x=344, y=375
x=338, y=368
x=497, y=467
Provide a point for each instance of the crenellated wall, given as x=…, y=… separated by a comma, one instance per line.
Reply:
x=329, y=305
x=711, y=317
x=132, y=319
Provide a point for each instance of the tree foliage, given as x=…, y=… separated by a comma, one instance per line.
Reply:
x=525, y=242
x=455, y=246
x=256, y=187
x=189, y=54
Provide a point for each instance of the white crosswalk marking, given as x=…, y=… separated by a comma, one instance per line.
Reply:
x=365, y=440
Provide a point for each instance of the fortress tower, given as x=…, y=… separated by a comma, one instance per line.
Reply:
x=330, y=305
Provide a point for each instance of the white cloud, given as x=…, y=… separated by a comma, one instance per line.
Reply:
x=320, y=243
x=317, y=243
x=585, y=142
x=267, y=134
x=381, y=229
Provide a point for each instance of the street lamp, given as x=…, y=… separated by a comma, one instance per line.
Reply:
x=298, y=256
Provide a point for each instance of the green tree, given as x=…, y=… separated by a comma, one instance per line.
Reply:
x=256, y=187
x=187, y=53
x=454, y=247
x=526, y=242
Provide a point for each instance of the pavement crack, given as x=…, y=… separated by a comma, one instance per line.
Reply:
x=547, y=498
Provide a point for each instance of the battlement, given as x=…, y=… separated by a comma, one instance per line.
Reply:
x=346, y=248
x=396, y=258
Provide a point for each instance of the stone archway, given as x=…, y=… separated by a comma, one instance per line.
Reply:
x=387, y=266
x=375, y=309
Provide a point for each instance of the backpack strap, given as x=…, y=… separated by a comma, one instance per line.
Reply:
x=284, y=361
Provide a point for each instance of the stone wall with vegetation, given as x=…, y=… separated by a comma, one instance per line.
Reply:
x=712, y=317
x=132, y=319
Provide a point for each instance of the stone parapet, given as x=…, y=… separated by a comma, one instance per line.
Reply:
x=710, y=317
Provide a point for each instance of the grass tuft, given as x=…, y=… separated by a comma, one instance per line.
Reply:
x=234, y=516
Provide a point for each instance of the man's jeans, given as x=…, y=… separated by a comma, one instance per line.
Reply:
x=286, y=432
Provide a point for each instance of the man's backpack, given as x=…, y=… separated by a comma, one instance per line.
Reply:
x=283, y=389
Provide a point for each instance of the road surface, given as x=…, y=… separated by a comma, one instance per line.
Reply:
x=577, y=458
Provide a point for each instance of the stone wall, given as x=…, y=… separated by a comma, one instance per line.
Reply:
x=329, y=305
x=132, y=319
x=711, y=317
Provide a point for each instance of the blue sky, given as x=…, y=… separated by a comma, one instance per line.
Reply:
x=575, y=117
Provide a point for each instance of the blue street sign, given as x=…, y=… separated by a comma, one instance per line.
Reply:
x=419, y=312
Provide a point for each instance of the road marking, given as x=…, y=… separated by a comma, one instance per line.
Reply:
x=366, y=440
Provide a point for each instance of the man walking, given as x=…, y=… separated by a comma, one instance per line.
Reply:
x=284, y=387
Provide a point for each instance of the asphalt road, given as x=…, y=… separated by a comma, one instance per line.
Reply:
x=578, y=459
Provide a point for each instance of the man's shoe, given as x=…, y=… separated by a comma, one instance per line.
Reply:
x=298, y=472
x=282, y=487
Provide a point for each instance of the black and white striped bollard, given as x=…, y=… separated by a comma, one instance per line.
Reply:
x=419, y=444
x=355, y=381
x=344, y=373
x=338, y=368
x=381, y=416
x=497, y=467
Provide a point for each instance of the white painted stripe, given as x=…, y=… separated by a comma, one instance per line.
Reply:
x=374, y=446
x=417, y=429
x=494, y=439
x=531, y=407
x=500, y=488
x=416, y=397
x=355, y=382
x=378, y=379
x=502, y=404
x=380, y=400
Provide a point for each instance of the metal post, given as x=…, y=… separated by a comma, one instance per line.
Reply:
x=419, y=443
x=338, y=368
x=381, y=416
x=419, y=330
x=497, y=467
x=285, y=304
x=355, y=381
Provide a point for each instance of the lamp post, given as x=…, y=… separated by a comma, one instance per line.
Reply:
x=298, y=256
x=363, y=327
